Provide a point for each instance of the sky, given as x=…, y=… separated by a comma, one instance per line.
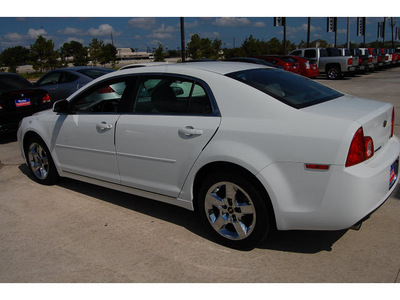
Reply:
x=147, y=27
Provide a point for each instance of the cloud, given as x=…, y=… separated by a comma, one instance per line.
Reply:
x=259, y=24
x=14, y=37
x=190, y=25
x=302, y=28
x=34, y=33
x=143, y=23
x=71, y=31
x=102, y=30
x=162, y=33
x=229, y=21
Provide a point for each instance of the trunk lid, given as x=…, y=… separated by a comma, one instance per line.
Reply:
x=374, y=116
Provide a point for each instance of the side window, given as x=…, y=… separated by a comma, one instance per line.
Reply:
x=296, y=53
x=105, y=97
x=310, y=53
x=67, y=77
x=51, y=78
x=171, y=95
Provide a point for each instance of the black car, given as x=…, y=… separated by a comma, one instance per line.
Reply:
x=253, y=61
x=19, y=99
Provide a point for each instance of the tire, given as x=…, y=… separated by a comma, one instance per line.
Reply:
x=233, y=211
x=334, y=73
x=40, y=162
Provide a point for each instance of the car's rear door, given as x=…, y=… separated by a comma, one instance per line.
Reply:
x=169, y=123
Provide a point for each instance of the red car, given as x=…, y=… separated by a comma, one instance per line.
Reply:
x=286, y=62
x=308, y=67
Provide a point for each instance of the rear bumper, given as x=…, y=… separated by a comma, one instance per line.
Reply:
x=329, y=200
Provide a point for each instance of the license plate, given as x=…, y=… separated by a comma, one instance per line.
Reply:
x=22, y=102
x=394, y=170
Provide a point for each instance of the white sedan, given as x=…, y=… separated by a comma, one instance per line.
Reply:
x=250, y=148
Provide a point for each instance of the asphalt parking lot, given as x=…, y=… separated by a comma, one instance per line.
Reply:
x=77, y=232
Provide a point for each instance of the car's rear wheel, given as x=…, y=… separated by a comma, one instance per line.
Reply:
x=233, y=210
x=40, y=162
x=334, y=73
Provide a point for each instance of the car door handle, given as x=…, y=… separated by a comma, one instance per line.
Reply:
x=190, y=131
x=104, y=126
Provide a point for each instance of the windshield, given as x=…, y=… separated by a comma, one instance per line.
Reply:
x=94, y=73
x=292, y=89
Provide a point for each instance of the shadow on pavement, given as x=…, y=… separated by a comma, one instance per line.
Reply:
x=302, y=241
x=8, y=138
x=288, y=241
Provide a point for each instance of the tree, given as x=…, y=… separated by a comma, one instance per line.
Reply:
x=199, y=48
x=159, y=53
x=14, y=56
x=194, y=47
x=108, y=54
x=95, y=50
x=42, y=54
x=234, y=52
x=75, y=50
x=255, y=47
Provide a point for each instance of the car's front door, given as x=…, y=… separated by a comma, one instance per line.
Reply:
x=170, y=122
x=85, y=138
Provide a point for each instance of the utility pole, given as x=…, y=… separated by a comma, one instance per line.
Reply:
x=183, y=46
x=284, y=36
x=308, y=31
x=348, y=33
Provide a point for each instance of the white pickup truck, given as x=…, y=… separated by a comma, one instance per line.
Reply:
x=335, y=67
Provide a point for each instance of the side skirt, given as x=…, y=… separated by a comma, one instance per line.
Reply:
x=137, y=192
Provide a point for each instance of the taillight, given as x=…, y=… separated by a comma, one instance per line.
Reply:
x=392, y=124
x=287, y=66
x=350, y=61
x=105, y=90
x=370, y=59
x=360, y=61
x=361, y=148
x=46, y=99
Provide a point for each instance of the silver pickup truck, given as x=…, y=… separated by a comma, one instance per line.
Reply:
x=335, y=67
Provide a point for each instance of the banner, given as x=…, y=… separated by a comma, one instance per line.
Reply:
x=381, y=30
x=331, y=26
x=360, y=26
x=278, y=22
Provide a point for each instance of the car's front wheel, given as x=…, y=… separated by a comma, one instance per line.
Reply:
x=233, y=210
x=40, y=162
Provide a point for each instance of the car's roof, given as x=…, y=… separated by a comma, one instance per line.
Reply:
x=219, y=67
x=77, y=68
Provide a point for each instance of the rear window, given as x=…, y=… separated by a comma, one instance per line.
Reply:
x=13, y=83
x=294, y=90
x=94, y=73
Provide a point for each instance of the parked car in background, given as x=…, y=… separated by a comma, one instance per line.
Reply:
x=308, y=67
x=61, y=83
x=395, y=56
x=253, y=60
x=248, y=147
x=372, y=58
x=286, y=62
x=19, y=99
x=335, y=67
x=363, y=58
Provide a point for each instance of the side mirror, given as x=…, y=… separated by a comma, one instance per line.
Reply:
x=61, y=106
